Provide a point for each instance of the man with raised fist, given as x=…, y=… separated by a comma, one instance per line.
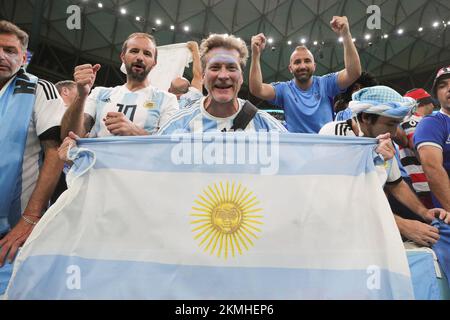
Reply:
x=306, y=99
x=133, y=109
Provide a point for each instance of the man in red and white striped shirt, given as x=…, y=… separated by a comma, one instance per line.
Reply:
x=407, y=155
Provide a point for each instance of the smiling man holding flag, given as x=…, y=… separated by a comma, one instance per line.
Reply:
x=223, y=59
x=244, y=224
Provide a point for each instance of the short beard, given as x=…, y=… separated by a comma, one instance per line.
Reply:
x=139, y=77
x=303, y=79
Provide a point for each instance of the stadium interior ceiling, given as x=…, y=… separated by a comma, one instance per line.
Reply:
x=414, y=39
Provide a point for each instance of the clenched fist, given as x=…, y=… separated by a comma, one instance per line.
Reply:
x=258, y=43
x=340, y=25
x=84, y=76
x=192, y=46
x=385, y=146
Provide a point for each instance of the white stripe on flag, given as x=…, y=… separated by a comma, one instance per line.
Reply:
x=157, y=234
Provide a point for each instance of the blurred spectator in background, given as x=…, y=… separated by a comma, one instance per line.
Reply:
x=67, y=90
x=189, y=92
x=425, y=106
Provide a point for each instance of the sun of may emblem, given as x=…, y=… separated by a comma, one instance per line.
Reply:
x=226, y=219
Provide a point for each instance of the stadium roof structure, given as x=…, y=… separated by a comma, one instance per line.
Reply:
x=413, y=41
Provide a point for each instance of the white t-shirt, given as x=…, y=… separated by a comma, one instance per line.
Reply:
x=388, y=173
x=149, y=108
x=46, y=118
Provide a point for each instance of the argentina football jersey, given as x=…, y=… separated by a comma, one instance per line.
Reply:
x=189, y=98
x=147, y=108
x=197, y=119
x=41, y=123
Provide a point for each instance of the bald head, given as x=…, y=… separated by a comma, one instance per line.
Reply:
x=301, y=50
x=179, y=86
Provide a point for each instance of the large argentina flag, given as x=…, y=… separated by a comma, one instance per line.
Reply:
x=217, y=216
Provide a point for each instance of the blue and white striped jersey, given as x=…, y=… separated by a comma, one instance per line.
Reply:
x=190, y=97
x=197, y=119
x=149, y=108
x=45, y=122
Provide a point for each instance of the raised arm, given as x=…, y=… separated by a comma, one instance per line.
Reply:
x=196, y=66
x=352, y=63
x=74, y=118
x=257, y=87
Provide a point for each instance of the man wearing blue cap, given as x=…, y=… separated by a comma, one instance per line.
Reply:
x=379, y=110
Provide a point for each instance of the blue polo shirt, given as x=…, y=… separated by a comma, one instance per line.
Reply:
x=307, y=111
x=435, y=130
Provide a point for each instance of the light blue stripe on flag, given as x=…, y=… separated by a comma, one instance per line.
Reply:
x=302, y=154
x=135, y=224
x=108, y=279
